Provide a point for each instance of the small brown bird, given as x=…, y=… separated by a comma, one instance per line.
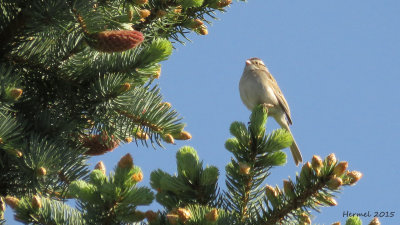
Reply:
x=257, y=86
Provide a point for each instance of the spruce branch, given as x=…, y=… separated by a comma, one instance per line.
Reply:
x=108, y=199
x=255, y=154
x=172, y=19
x=193, y=214
x=314, y=187
x=355, y=220
x=148, y=114
x=39, y=165
x=10, y=131
x=193, y=184
x=135, y=63
x=10, y=26
x=41, y=210
x=132, y=113
x=76, y=80
x=279, y=215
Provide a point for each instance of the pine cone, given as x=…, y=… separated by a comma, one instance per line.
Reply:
x=115, y=40
x=99, y=144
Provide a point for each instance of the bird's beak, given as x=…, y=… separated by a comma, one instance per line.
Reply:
x=248, y=62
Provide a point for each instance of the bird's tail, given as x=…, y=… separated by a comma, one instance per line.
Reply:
x=296, y=153
x=293, y=148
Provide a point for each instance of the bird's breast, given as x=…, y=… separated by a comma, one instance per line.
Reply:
x=254, y=90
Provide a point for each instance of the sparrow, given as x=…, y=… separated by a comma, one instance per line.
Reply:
x=257, y=86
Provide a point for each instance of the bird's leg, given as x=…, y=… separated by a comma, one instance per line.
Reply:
x=267, y=106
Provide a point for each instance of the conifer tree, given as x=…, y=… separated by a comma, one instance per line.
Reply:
x=76, y=81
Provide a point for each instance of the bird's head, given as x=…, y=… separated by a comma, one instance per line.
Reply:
x=255, y=64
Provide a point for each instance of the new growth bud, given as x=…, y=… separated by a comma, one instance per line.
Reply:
x=100, y=166
x=15, y=93
x=288, y=188
x=128, y=139
x=125, y=87
x=218, y=4
x=331, y=201
x=354, y=176
x=130, y=14
x=203, y=30
x=144, y=13
x=334, y=183
x=212, y=216
x=126, y=161
x=137, y=177
x=305, y=219
x=158, y=73
x=142, y=135
x=169, y=139
x=272, y=195
x=317, y=164
x=16, y=152
x=36, y=202
x=270, y=192
x=306, y=169
x=184, y=135
x=305, y=173
x=161, y=13
x=331, y=159
x=12, y=201
x=195, y=23
x=178, y=9
x=41, y=171
x=375, y=221
x=140, y=2
x=224, y=3
x=198, y=22
x=340, y=168
x=183, y=214
x=165, y=104
x=244, y=168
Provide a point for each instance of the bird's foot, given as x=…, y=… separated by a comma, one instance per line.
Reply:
x=267, y=106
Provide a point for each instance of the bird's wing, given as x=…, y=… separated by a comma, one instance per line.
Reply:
x=279, y=95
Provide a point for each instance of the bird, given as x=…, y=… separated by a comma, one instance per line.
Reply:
x=258, y=86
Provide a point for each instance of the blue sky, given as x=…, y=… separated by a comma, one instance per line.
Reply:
x=337, y=63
